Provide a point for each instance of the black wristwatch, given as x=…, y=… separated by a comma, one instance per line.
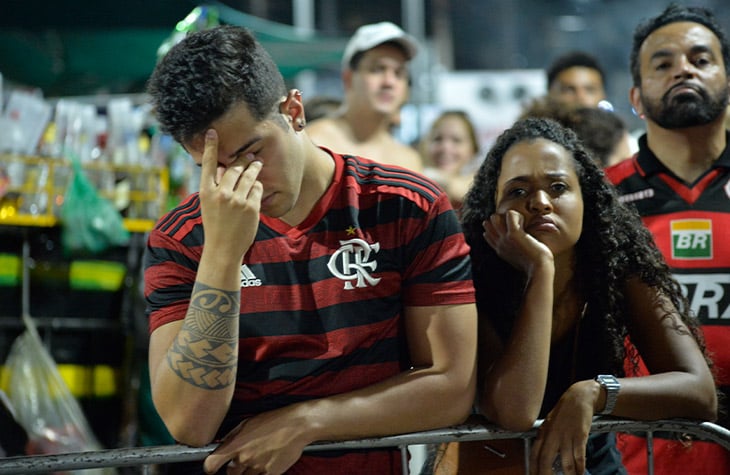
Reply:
x=612, y=386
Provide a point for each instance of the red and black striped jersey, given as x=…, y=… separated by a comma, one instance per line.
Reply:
x=691, y=226
x=322, y=302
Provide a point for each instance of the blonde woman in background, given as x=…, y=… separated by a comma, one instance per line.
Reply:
x=449, y=152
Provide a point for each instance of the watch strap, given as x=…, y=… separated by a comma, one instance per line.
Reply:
x=612, y=387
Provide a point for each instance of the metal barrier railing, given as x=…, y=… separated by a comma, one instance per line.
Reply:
x=141, y=456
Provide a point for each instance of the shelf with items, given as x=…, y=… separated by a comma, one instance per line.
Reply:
x=34, y=190
x=86, y=311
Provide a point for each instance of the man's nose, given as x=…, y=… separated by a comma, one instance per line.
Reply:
x=684, y=68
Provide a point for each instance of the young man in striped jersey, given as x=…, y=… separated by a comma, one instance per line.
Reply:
x=680, y=183
x=301, y=295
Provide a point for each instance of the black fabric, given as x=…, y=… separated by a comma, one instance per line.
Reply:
x=13, y=437
x=603, y=458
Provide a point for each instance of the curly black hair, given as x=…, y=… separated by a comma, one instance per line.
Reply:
x=614, y=246
x=672, y=14
x=207, y=73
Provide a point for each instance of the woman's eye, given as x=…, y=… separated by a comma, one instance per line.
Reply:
x=559, y=187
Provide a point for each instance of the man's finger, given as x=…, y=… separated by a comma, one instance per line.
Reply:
x=217, y=459
x=210, y=159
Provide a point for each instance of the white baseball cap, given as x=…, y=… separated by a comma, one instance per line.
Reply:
x=369, y=36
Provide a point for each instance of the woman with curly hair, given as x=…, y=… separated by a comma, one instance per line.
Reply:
x=564, y=275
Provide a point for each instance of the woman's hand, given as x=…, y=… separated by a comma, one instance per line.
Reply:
x=506, y=235
x=564, y=432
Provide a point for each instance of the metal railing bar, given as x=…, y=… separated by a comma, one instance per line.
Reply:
x=121, y=457
x=404, y=459
x=137, y=456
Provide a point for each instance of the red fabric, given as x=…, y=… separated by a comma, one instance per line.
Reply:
x=671, y=456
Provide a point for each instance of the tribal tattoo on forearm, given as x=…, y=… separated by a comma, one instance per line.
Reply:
x=205, y=351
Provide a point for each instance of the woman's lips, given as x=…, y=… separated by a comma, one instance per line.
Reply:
x=541, y=224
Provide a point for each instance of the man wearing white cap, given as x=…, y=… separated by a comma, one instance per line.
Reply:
x=376, y=82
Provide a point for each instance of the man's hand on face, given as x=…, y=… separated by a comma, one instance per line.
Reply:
x=230, y=199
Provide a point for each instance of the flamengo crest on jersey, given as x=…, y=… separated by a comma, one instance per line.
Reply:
x=352, y=261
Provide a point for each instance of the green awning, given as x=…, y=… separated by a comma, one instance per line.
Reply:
x=67, y=61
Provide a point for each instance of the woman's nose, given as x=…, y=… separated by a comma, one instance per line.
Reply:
x=540, y=201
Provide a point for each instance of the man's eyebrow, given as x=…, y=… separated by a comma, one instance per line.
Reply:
x=702, y=49
x=663, y=53
x=248, y=144
x=245, y=146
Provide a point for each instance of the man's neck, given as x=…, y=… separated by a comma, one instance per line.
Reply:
x=317, y=176
x=687, y=152
x=366, y=125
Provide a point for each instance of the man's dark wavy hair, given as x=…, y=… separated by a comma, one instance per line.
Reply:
x=573, y=59
x=209, y=71
x=614, y=246
x=672, y=14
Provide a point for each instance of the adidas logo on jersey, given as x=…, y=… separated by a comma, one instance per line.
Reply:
x=248, y=278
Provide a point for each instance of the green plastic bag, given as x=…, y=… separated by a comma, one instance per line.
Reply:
x=90, y=223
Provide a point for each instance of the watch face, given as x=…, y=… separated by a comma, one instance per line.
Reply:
x=607, y=379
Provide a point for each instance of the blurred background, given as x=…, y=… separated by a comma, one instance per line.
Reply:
x=92, y=47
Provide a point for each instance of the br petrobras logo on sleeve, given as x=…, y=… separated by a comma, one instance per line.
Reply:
x=691, y=239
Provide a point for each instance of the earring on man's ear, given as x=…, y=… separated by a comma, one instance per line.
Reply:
x=640, y=116
x=301, y=124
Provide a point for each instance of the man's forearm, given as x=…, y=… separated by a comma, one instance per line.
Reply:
x=412, y=401
x=194, y=385
x=205, y=352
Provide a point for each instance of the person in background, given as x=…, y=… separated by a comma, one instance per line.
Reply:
x=449, y=150
x=301, y=295
x=603, y=132
x=321, y=106
x=577, y=78
x=678, y=182
x=376, y=81
x=563, y=273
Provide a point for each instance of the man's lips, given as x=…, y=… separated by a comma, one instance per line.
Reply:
x=684, y=88
x=386, y=96
x=266, y=200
